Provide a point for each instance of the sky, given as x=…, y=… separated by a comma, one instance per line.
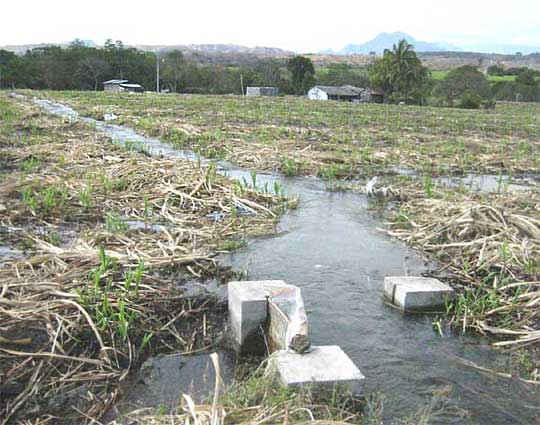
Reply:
x=297, y=25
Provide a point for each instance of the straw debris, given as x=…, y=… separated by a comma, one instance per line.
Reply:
x=108, y=238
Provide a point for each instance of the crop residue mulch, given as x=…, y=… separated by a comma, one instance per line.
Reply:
x=92, y=295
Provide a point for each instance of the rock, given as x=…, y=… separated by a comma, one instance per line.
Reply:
x=109, y=117
x=300, y=343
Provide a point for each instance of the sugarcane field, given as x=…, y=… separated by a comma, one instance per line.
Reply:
x=211, y=234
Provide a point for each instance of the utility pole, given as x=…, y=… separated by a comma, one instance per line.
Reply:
x=157, y=72
x=242, y=83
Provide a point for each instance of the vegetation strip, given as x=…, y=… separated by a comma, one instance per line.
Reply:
x=329, y=139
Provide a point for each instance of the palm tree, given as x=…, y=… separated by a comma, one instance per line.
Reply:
x=405, y=69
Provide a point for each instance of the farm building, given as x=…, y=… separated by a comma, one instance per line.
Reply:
x=375, y=96
x=117, y=86
x=262, y=91
x=346, y=93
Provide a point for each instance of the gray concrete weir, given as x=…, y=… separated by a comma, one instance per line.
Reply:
x=413, y=293
x=275, y=311
x=248, y=312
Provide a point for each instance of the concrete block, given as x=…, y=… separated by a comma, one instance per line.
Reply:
x=412, y=293
x=248, y=309
x=320, y=369
x=285, y=320
x=284, y=332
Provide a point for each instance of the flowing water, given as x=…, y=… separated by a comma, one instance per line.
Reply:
x=331, y=248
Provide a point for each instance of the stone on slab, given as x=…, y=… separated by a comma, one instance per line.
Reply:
x=320, y=369
x=413, y=293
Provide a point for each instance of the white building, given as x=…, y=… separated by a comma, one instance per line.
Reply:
x=262, y=91
x=345, y=93
x=117, y=86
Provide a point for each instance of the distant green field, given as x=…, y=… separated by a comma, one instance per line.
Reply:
x=309, y=136
x=352, y=70
x=439, y=75
x=508, y=78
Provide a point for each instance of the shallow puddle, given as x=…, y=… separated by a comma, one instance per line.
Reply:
x=488, y=183
x=141, y=225
x=162, y=380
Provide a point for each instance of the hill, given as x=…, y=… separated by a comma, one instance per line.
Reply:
x=204, y=49
x=386, y=40
x=216, y=49
x=436, y=60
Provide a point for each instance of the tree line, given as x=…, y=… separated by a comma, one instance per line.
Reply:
x=76, y=67
x=79, y=67
x=403, y=78
x=399, y=73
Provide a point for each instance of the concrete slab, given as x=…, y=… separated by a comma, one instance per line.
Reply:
x=413, y=293
x=322, y=368
x=276, y=328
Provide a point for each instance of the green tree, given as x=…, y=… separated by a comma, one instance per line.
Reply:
x=463, y=81
x=496, y=70
x=269, y=72
x=6, y=69
x=94, y=69
x=527, y=77
x=339, y=74
x=174, y=69
x=400, y=73
x=302, y=74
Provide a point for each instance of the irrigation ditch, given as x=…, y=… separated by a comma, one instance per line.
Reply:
x=331, y=247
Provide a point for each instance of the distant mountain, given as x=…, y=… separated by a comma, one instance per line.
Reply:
x=387, y=40
x=87, y=43
x=20, y=49
x=217, y=49
x=206, y=49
